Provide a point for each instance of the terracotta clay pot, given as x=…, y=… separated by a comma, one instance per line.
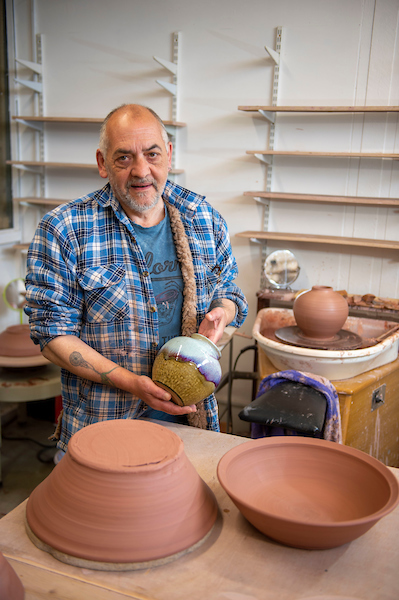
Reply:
x=308, y=493
x=11, y=587
x=124, y=495
x=320, y=312
x=16, y=341
x=188, y=368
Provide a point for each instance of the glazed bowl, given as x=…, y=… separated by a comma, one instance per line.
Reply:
x=124, y=496
x=188, y=368
x=307, y=493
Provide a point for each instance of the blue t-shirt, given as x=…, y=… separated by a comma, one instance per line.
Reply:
x=159, y=251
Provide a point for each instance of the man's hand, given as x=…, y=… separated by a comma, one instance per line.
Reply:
x=213, y=324
x=221, y=314
x=159, y=399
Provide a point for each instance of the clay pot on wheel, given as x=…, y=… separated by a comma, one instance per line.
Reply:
x=188, y=368
x=320, y=312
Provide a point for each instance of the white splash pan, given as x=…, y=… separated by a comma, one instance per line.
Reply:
x=332, y=364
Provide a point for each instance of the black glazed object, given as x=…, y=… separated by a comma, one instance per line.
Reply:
x=290, y=405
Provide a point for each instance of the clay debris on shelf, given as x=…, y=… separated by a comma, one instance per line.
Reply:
x=369, y=301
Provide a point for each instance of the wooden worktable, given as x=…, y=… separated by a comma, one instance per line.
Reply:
x=235, y=563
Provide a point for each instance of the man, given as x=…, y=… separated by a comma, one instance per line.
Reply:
x=113, y=275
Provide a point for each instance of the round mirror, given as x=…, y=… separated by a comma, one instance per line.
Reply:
x=14, y=295
x=281, y=269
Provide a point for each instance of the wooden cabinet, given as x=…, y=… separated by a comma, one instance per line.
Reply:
x=369, y=408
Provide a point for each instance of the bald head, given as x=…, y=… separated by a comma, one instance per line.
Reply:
x=134, y=111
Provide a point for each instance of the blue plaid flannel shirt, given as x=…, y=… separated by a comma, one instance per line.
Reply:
x=87, y=276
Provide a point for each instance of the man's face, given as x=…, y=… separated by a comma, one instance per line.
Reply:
x=137, y=161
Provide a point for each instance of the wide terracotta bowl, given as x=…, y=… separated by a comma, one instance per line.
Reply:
x=124, y=496
x=305, y=492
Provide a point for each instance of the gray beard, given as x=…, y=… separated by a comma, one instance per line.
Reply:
x=131, y=203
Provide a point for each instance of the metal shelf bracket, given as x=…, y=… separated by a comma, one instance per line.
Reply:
x=31, y=124
x=265, y=158
x=274, y=55
x=270, y=116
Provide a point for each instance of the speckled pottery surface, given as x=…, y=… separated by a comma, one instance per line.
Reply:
x=124, y=496
x=188, y=368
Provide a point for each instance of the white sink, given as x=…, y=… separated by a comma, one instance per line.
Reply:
x=332, y=364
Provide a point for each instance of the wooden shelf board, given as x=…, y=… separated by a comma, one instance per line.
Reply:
x=58, y=119
x=39, y=163
x=42, y=201
x=174, y=123
x=319, y=239
x=324, y=198
x=321, y=109
x=80, y=120
x=330, y=154
x=62, y=165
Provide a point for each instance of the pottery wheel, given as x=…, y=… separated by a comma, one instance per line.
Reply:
x=343, y=340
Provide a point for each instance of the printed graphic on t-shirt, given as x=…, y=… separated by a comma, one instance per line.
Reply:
x=168, y=289
x=158, y=247
x=167, y=302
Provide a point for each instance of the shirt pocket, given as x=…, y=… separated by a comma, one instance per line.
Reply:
x=209, y=280
x=105, y=293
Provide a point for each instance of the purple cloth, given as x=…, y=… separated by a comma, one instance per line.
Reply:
x=332, y=428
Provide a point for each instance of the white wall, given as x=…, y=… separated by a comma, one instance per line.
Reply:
x=98, y=54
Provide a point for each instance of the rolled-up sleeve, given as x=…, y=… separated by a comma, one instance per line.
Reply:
x=54, y=300
x=226, y=270
x=214, y=264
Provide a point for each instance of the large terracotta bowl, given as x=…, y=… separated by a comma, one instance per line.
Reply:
x=308, y=493
x=124, y=496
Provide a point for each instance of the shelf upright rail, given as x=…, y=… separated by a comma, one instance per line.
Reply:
x=173, y=88
x=275, y=55
x=36, y=86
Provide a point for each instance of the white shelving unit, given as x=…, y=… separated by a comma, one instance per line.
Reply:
x=270, y=112
x=40, y=124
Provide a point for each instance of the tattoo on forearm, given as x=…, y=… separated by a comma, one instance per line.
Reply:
x=216, y=304
x=77, y=360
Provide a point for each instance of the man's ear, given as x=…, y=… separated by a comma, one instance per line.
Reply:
x=169, y=152
x=101, y=164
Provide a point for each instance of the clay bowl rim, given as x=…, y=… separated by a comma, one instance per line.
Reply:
x=276, y=441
